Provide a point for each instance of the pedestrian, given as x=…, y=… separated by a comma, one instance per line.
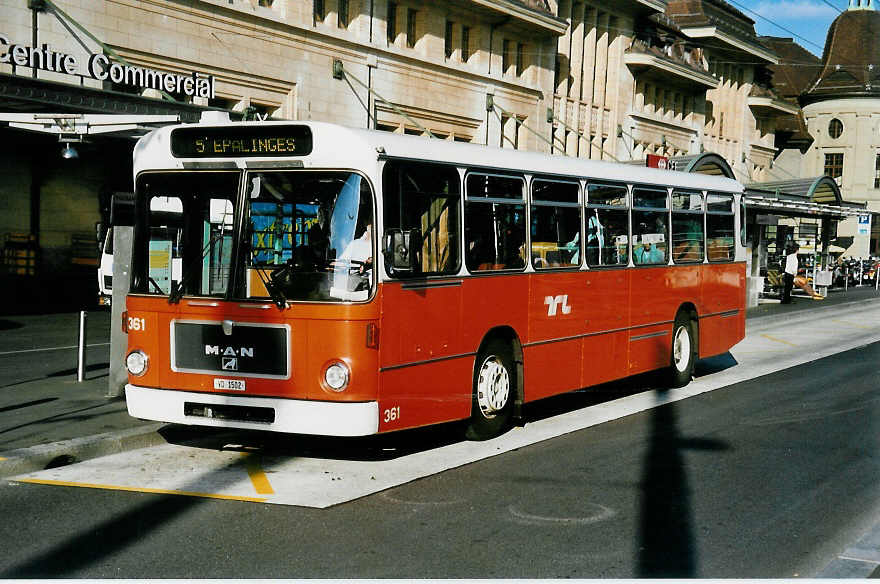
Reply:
x=791, y=267
x=791, y=278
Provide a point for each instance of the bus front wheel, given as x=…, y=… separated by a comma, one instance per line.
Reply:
x=684, y=351
x=493, y=394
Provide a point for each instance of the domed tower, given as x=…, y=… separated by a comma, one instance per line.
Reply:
x=842, y=112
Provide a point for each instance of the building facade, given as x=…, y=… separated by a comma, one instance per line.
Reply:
x=680, y=79
x=409, y=66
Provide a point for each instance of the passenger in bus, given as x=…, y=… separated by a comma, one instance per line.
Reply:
x=647, y=252
x=358, y=257
x=319, y=240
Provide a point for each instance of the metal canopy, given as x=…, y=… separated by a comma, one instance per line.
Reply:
x=705, y=163
x=75, y=127
x=812, y=196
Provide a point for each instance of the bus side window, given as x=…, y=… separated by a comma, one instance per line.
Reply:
x=649, y=226
x=556, y=224
x=495, y=223
x=607, y=225
x=424, y=198
x=720, y=227
x=687, y=227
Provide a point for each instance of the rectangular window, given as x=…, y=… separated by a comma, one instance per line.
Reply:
x=411, y=16
x=556, y=224
x=423, y=201
x=720, y=228
x=465, y=43
x=520, y=59
x=447, y=40
x=687, y=227
x=342, y=14
x=877, y=171
x=607, y=235
x=311, y=236
x=834, y=164
x=505, y=56
x=392, y=22
x=495, y=223
x=649, y=226
x=318, y=11
x=187, y=237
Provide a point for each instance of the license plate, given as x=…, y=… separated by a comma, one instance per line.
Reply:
x=229, y=384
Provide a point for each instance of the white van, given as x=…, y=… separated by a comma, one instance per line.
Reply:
x=105, y=270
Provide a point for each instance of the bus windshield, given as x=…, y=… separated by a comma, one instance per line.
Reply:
x=310, y=236
x=184, y=243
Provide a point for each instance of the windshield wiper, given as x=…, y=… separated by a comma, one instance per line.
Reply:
x=177, y=288
x=274, y=291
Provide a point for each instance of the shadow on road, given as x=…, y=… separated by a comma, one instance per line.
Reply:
x=96, y=543
x=667, y=547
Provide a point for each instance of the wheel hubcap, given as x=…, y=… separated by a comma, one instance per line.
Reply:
x=493, y=386
x=681, y=349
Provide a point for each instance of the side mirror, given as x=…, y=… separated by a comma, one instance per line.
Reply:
x=122, y=209
x=400, y=250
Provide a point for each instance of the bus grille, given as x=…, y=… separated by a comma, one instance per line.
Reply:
x=229, y=412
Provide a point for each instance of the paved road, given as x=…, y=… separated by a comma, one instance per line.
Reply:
x=772, y=477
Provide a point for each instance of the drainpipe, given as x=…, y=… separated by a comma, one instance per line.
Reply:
x=36, y=6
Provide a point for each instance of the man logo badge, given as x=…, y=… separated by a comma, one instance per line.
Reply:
x=229, y=364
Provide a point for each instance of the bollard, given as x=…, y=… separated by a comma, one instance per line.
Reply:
x=81, y=365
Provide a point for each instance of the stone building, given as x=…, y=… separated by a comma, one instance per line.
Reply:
x=683, y=79
x=841, y=111
x=410, y=66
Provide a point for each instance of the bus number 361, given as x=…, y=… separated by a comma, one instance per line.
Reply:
x=391, y=414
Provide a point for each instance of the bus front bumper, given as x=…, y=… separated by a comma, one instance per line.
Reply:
x=253, y=413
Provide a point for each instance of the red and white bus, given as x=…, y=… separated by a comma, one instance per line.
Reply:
x=348, y=282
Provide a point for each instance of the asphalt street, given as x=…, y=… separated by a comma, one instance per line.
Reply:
x=768, y=478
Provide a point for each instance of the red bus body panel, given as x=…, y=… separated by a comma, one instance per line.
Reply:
x=576, y=329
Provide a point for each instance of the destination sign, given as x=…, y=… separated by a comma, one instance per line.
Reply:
x=240, y=141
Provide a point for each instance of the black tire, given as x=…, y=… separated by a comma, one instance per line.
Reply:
x=683, y=351
x=494, y=391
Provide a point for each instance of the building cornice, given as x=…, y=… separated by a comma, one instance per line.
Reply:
x=770, y=107
x=639, y=60
x=713, y=32
x=523, y=13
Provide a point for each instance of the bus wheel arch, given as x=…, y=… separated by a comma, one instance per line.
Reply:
x=497, y=390
x=684, y=347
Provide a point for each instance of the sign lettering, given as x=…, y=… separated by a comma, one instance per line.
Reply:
x=269, y=140
x=101, y=68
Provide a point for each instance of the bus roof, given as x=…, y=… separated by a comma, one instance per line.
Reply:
x=335, y=146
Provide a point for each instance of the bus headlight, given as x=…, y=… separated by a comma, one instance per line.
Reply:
x=137, y=362
x=337, y=376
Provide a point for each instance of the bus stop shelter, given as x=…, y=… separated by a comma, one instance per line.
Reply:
x=805, y=210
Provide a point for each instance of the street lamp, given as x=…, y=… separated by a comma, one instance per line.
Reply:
x=69, y=152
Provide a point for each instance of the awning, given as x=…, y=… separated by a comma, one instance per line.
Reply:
x=802, y=197
x=705, y=163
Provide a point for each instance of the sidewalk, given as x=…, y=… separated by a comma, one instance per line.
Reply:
x=51, y=420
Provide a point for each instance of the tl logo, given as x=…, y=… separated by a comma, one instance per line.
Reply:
x=554, y=303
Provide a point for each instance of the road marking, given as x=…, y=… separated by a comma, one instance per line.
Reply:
x=50, y=349
x=858, y=326
x=779, y=340
x=256, y=474
x=142, y=490
x=304, y=475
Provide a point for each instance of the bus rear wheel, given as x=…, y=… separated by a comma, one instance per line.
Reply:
x=493, y=392
x=684, y=351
